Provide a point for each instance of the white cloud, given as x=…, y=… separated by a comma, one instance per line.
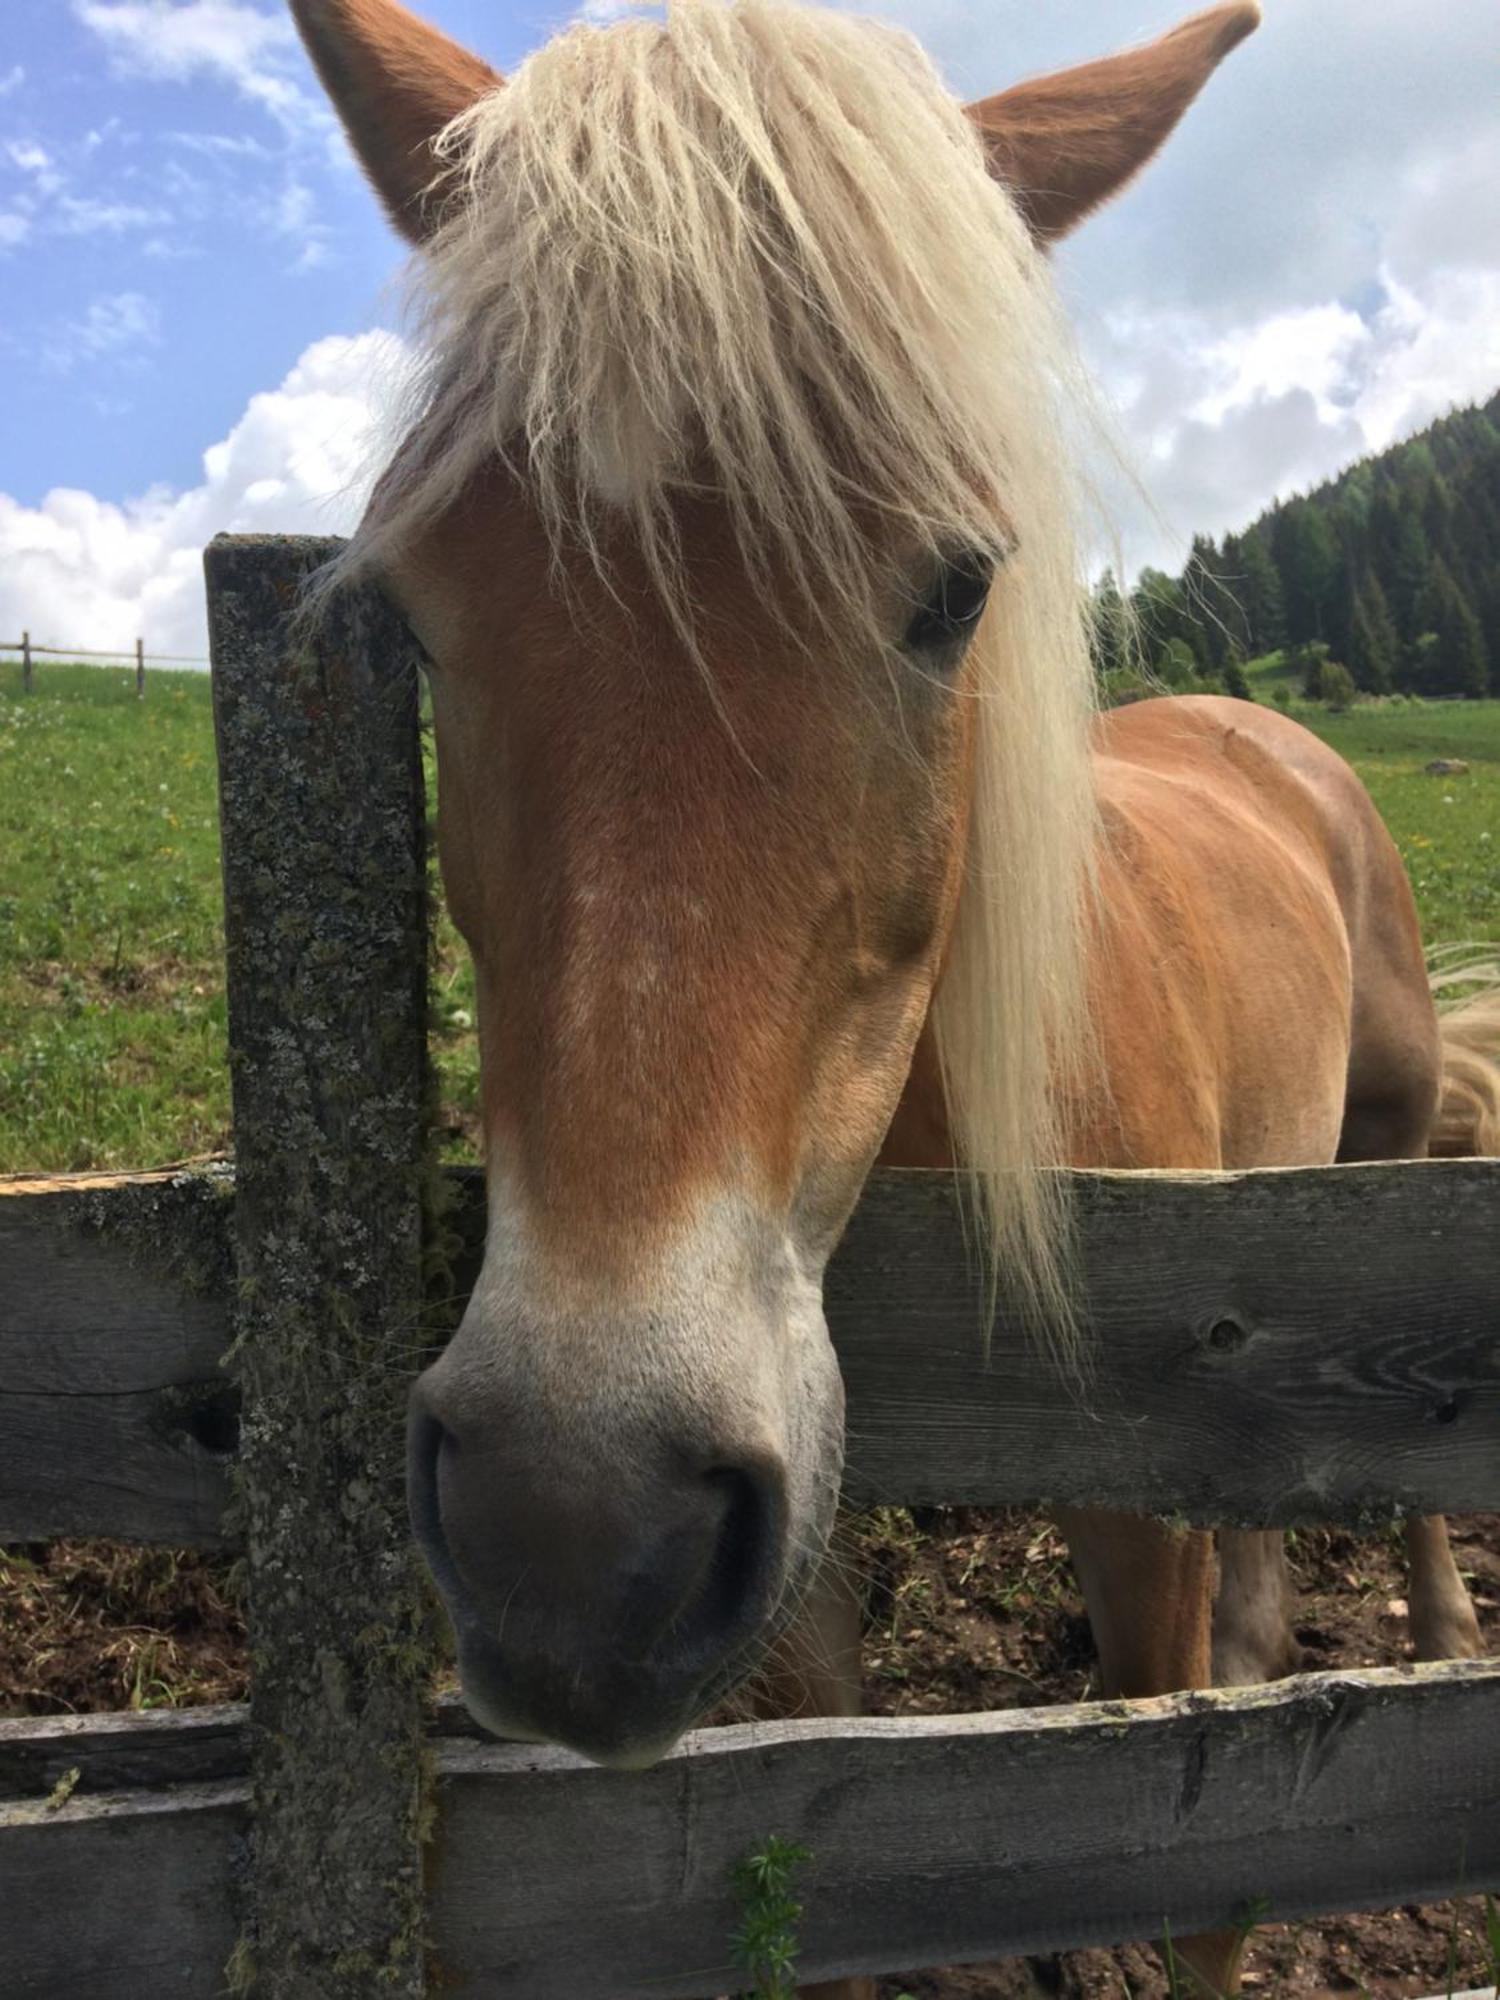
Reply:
x=81, y=571
x=248, y=48
x=254, y=52
x=221, y=145
x=14, y=228
x=1440, y=346
x=40, y=177
x=11, y=79
x=27, y=156
x=84, y=215
x=1222, y=421
x=112, y=326
x=1312, y=268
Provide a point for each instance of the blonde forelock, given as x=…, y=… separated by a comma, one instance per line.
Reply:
x=751, y=250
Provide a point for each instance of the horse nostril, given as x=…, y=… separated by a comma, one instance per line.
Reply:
x=426, y=1439
x=745, y=1539
x=739, y=1578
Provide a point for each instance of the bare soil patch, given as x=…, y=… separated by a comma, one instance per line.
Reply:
x=972, y=1609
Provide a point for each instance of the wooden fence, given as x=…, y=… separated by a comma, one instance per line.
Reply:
x=1275, y=1347
x=30, y=653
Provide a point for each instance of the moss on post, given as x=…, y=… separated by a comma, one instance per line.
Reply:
x=325, y=929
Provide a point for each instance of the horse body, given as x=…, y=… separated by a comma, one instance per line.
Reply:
x=1257, y=953
x=1259, y=998
x=737, y=525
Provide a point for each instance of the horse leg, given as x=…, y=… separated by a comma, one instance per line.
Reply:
x=814, y=1670
x=1441, y=1618
x=1252, y=1613
x=1414, y=1081
x=1150, y=1592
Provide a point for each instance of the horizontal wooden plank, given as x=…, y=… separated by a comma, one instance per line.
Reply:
x=116, y=1415
x=129, y=1896
x=128, y=1750
x=1284, y=1347
x=940, y=1839
x=1281, y=1347
x=931, y=1840
x=122, y=1750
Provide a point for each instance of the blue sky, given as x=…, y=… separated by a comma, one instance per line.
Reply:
x=181, y=180
x=193, y=271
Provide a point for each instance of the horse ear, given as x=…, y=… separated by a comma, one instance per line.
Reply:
x=1067, y=142
x=395, y=83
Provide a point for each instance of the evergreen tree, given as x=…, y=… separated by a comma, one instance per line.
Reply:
x=1454, y=663
x=1307, y=560
x=1109, y=637
x=1338, y=616
x=1438, y=520
x=1252, y=578
x=1487, y=610
x=1207, y=602
x=1374, y=644
x=1162, y=616
x=1394, y=567
x=1410, y=562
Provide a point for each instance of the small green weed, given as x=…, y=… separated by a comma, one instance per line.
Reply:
x=765, y=1943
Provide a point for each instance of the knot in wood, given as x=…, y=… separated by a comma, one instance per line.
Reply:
x=1226, y=1333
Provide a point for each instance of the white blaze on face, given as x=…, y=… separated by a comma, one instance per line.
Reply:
x=718, y=1316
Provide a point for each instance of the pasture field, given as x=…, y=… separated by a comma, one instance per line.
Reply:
x=112, y=1029
x=1448, y=829
x=112, y=1020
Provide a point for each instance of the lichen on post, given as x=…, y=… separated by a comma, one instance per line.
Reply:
x=322, y=811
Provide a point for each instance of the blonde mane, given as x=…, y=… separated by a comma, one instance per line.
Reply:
x=753, y=250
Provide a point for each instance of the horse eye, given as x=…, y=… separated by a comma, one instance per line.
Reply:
x=946, y=617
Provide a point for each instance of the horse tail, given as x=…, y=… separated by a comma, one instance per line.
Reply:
x=1466, y=991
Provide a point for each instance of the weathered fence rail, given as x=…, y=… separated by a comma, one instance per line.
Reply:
x=1297, y=1346
x=944, y=1837
x=1265, y=1348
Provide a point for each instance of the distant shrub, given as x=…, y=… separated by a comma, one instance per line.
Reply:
x=1336, y=689
x=1234, y=678
x=1307, y=661
x=1281, y=694
x=1175, y=666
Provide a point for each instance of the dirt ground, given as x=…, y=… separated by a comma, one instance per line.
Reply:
x=967, y=1610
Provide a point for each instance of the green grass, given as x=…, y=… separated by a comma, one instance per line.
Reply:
x=1269, y=672
x=112, y=1029
x=1447, y=828
x=111, y=990
x=112, y=1021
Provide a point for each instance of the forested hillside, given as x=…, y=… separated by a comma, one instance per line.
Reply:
x=1393, y=568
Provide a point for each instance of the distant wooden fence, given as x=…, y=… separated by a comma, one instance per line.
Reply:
x=30, y=653
x=1274, y=1347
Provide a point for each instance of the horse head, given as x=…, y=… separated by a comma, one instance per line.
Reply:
x=736, y=522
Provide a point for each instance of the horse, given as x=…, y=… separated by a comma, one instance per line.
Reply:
x=737, y=512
